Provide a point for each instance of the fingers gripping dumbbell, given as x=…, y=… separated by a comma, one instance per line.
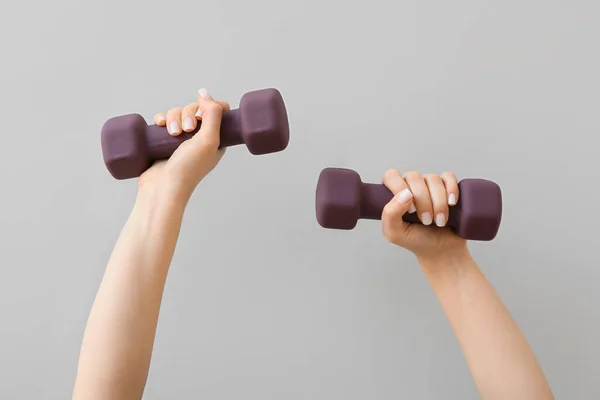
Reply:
x=130, y=145
x=342, y=199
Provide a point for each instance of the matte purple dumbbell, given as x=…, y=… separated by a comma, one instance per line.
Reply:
x=130, y=145
x=342, y=199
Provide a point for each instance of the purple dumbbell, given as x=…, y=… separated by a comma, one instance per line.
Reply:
x=130, y=145
x=342, y=199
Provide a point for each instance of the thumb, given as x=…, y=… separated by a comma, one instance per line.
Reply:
x=211, y=113
x=394, y=228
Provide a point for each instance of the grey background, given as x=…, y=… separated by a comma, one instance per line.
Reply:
x=261, y=303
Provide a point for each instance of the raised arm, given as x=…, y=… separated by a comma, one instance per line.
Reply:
x=499, y=358
x=119, y=336
x=498, y=355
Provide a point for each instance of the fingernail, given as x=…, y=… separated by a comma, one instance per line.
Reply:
x=188, y=124
x=412, y=209
x=440, y=220
x=426, y=218
x=451, y=199
x=173, y=127
x=404, y=196
x=160, y=119
x=198, y=113
x=204, y=93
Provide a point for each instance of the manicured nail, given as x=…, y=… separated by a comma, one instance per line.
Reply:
x=188, y=124
x=451, y=199
x=204, y=93
x=198, y=113
x=426, y=218
x=412, y=209
x=440, y=220
x=404, y=196
x=160, y=119
x=173, y=127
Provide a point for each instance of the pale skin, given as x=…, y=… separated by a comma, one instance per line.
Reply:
x=119, y=337
x=501, y=361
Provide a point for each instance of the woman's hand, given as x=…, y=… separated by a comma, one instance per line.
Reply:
x=177, y=177
x=431, y=197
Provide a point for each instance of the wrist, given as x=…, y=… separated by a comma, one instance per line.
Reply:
x=153, y=200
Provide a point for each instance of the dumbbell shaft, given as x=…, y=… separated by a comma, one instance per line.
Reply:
x=162, y=145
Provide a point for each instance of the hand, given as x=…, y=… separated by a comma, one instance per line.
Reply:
x=430, y=196
x=195, y=158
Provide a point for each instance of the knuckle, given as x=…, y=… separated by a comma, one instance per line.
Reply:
x=213, y=108
x=433, y=178
x=174, y=111
x=413, y=175
x=188, y=111
x=449, y=175
x=388, y=212
x=389, y=174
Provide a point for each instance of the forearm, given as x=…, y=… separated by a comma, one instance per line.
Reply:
x=119, y=337
x=501, y=362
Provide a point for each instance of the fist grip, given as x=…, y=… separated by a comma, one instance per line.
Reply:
x=342, y=199
x=130, y=146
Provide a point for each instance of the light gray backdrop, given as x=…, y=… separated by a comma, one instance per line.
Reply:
x=262, y=303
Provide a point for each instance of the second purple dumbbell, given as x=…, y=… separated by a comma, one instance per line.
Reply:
x=342, y=199
x=130, y=145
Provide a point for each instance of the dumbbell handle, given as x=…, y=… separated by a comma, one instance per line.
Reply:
x=162, y=145
x=374, y=198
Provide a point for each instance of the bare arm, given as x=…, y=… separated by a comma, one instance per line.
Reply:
x=119, y=337
x=501, y=362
